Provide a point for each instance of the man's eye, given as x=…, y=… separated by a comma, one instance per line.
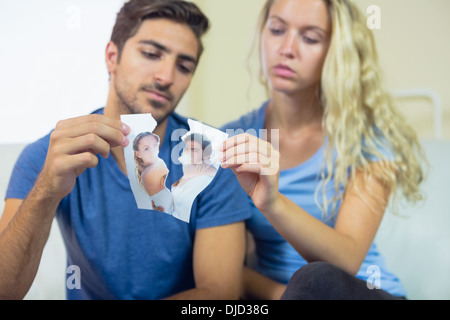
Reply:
x=185, y=69
x=150, y=55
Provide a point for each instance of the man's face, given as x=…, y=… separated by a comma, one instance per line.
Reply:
x=195, y=151
x=155, y=68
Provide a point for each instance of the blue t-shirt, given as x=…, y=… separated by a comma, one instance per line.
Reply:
x=274, y=256
x=124, y=252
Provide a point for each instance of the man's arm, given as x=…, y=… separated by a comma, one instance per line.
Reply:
x=25, y=225
x=25, y=229
x=218, y=263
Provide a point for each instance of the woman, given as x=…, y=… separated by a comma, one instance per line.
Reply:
x=320, y=190
x=151, y=171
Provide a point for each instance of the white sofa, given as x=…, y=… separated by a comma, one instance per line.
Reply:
x=417, y=249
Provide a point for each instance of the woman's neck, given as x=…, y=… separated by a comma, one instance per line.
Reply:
x=295, y=125
x=293, y=113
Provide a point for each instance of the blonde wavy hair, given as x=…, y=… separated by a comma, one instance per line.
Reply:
x=360, y=120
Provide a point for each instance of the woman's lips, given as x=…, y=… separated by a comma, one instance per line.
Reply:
x=283, y=71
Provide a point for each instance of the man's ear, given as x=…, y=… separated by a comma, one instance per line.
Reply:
x=111, y=57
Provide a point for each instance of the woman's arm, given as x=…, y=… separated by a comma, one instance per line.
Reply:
x=346, y=245
x=256, y=166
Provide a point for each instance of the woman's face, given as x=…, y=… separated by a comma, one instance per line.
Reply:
x=148, y=149
x=294, y=44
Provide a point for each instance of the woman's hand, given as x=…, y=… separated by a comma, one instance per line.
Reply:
x=256, y=165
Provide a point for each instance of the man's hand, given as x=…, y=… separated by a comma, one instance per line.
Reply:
x=157, y=208
x=74, y=146
x=25, y=225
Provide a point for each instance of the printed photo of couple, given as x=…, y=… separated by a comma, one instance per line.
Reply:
x=148, y=173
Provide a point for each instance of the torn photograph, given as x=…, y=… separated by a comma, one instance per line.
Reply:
x=146, y=171
x=199, y=160
x=197, y=152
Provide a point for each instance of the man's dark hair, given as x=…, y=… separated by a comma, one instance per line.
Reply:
x=134, y=12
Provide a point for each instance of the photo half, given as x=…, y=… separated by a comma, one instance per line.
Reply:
x=197, y=152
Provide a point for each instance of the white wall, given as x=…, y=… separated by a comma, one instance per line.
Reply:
x=52, y=60
x=51, y=63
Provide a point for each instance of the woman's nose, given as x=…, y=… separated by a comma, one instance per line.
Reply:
x=287, y=48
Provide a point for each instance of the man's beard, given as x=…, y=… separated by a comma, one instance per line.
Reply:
x=129, y=103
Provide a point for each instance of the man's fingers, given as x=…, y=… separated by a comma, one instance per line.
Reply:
x=110, y=130
x=87, y=143
x=117, y=124
x=75, y=163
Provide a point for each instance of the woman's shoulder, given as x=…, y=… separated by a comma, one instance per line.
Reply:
x=158, y=166
x=377, y=148
x=251, y=120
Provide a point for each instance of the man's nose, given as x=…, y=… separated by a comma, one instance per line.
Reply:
x=165, y=74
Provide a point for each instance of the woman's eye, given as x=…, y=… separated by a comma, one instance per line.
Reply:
x=310, y=40
x=276, y=31
x=311, y=37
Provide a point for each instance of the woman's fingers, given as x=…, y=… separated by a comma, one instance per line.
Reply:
x=245, y=143
x=246, y=152
x=264, y=167
x=247, y=158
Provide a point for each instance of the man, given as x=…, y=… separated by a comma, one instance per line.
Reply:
x=79, y=172
x=197, y=174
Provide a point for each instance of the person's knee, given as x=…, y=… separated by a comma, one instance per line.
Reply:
x=316, y=272
x=316, y=280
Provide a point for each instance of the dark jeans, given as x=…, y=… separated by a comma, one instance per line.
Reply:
x=323, y=281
